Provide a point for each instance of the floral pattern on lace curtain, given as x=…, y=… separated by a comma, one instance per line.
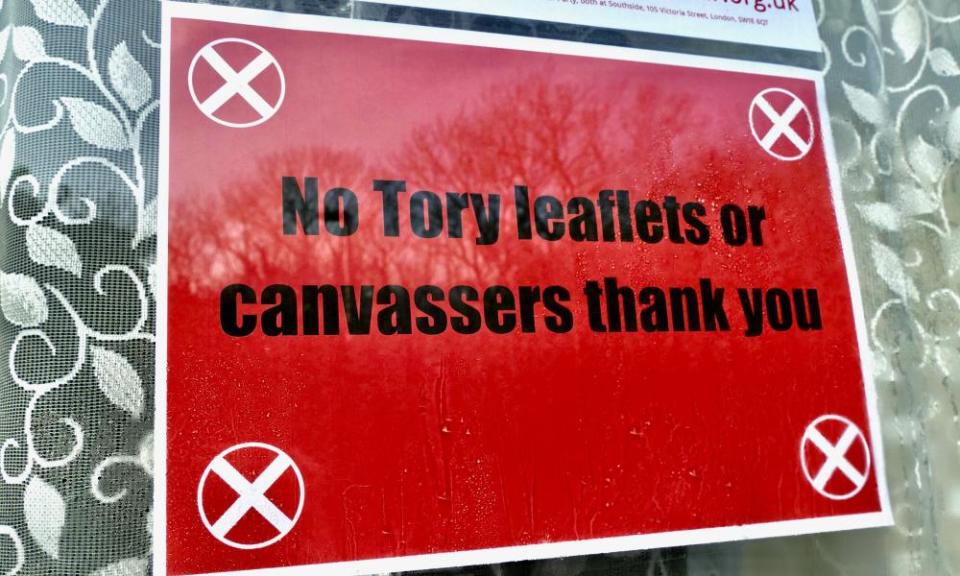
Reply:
x=78, y=161
x=78, y=169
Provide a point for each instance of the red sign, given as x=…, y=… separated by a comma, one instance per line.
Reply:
x=437, y=298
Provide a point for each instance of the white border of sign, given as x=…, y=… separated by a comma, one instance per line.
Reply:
x=785, y=29
x=291, y=21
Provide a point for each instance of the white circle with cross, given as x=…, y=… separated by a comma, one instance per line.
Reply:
x=827, y=464
x=781, y=139
x=233, y=83
x=250, y=497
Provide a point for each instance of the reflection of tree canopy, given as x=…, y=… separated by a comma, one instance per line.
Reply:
x=236, y=243
x=553, y=136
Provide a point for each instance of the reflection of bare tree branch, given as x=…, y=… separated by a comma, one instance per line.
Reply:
x=552, y=136
x=236, y=244
x=535, y=132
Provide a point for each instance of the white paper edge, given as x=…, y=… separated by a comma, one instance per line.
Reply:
x=804, y=38
x=290, y=21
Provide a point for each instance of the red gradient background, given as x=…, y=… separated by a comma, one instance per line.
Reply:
x=416, y=444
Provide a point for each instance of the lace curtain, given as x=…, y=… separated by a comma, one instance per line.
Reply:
x=78, y=187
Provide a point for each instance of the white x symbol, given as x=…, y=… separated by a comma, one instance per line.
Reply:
x=836, y=457
x=236, y=83
x=251, y=495
x=782, y=124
